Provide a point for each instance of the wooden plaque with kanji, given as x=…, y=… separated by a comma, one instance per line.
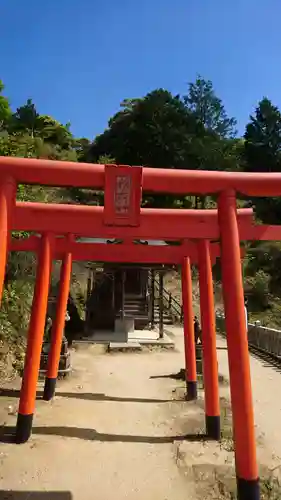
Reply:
x=122, y=197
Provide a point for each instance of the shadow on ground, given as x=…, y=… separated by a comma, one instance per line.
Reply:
x=182, y=376
x=35, y=495
x=14, y=393
x=174, y=376
x=7, y=435
x=268, y=360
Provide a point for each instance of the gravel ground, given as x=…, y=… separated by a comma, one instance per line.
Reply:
x=108, y=434
x=266, y=380
x=114, y=431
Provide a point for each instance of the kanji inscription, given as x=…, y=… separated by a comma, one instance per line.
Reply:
x=122, y=196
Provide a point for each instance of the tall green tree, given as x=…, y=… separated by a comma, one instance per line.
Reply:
x=208, y=108
x=263, y=139
x=81, y=146
x=156, y=130
x=53, y=131
x=25, y=118
x=263, y=154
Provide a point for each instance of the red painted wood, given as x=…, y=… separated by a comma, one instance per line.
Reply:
x=126, y=253
x=88, y=221
x=61, y=173
x=122, y=195
x=261, y=232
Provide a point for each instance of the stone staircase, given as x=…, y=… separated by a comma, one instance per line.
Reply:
x=167, y=316
x=138, y=308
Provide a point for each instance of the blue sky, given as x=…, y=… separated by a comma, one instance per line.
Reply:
x=79, y=59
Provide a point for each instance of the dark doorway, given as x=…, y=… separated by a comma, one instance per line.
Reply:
x=133, y=282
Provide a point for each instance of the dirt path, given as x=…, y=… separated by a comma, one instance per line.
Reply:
x=114, y=431
x=107, y=435
x=266, y=381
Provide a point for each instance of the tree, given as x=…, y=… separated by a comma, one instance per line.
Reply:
x=25, y=118
x=263, y=139
x=208, y=108
x=160, y=130
x=5, y=110
x=156, y=130
x=53, y=131
x=81, y=147
x=263, y=154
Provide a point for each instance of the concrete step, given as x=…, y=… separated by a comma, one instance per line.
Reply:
x=135, y=301
x=165, y=318
x=141, y=319
x=130, y=346
x=134, y=308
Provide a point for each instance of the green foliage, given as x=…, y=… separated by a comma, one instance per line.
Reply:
x=28, y=134
x=163, y=130
x=14, y=321
x=263, y=154
x=208, y=109
x=17, y=298
x=81, y=147
x=24, y=118
x=257, y=290
x=263, y=139
x=156, y=131
x=106, y=160
x=51, y=131
x=5, y=110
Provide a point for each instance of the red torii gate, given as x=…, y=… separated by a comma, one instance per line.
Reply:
x=126, y=253
x=122, y=217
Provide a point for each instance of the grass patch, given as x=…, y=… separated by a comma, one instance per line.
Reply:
x=270, y=488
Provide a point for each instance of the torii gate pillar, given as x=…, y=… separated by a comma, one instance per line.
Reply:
x=212, y=405
x=237, y=347
x=58, y=328
x=188, y=329
x=34, y=342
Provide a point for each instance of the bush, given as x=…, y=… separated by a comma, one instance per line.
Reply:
x=257, y=290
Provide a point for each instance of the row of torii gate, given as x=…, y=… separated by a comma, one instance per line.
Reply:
x=204, y=235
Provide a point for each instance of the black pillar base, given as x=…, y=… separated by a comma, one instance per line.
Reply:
x=191, y=387
x=49, y=388
x=23, y=428
x=248, y=489
x=213, y=427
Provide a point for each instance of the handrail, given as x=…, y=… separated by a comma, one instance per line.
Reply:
x=172, y=304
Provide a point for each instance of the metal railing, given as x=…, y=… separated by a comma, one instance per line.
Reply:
x=171, y=304
x=262, y=338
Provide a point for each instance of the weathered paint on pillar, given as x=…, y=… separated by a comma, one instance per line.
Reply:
x=188, y=326
x=238, y=355
x=210, y=364
x=34, y=342
x=58, y=328
x=7, y=200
